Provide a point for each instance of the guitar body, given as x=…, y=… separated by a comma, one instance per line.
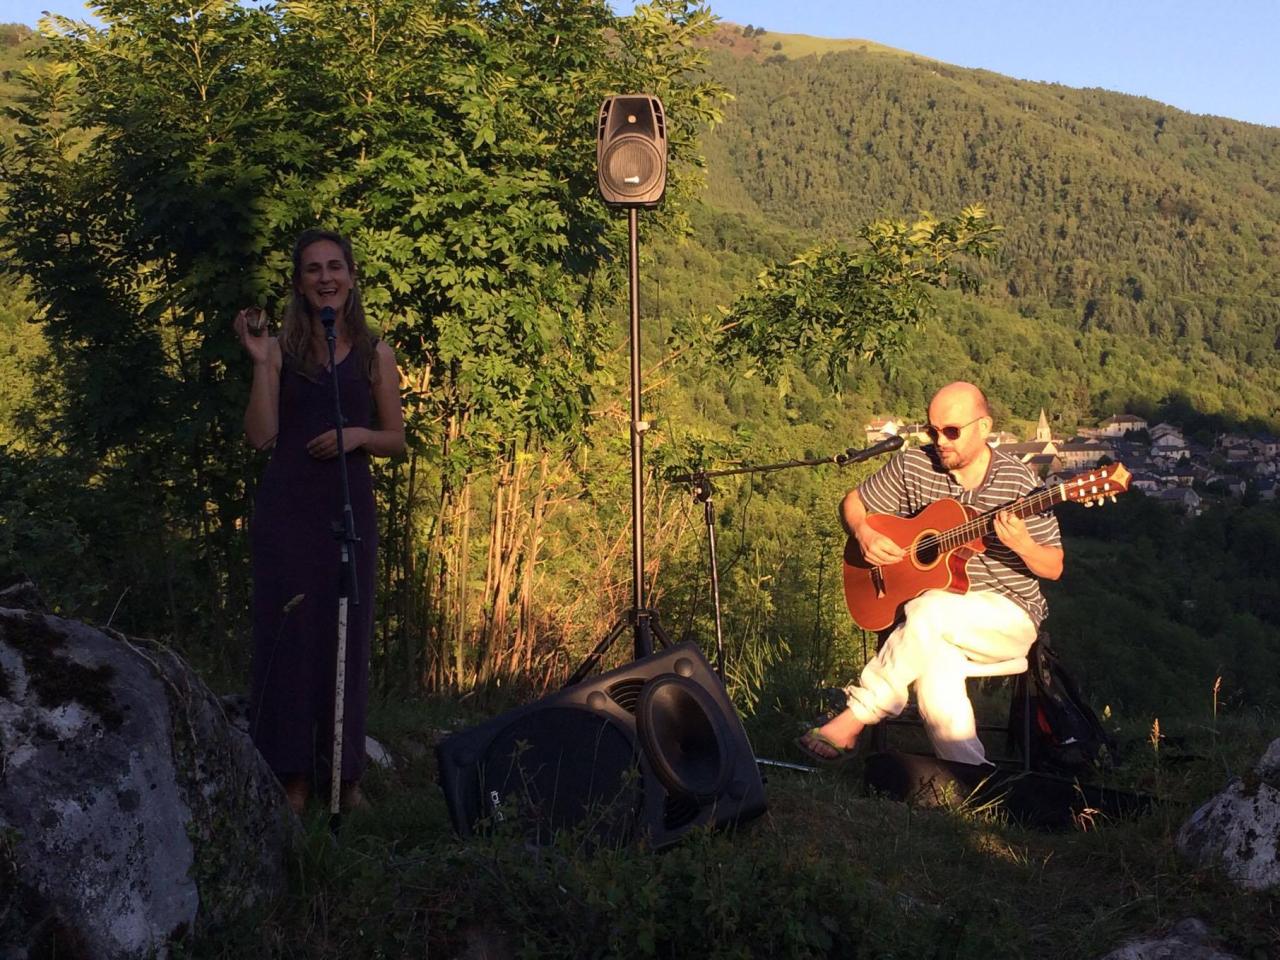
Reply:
x=875, y=595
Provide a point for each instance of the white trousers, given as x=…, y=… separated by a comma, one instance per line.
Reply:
x=942, y=634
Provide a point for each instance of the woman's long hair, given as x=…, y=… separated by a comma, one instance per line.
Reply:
x=298, y=321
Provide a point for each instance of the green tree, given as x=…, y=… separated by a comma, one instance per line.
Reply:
x=163, y=165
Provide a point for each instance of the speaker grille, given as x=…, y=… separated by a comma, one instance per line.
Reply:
x=682, y=733
x=631, y=166
x=650, y=750
x=631, y=151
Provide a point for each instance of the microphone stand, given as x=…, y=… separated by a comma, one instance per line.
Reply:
x=702, y=493
x=348, y=589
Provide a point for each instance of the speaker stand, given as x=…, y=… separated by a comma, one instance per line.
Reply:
x=641, y=619
x=645, y=625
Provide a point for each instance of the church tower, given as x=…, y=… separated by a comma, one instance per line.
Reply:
x=1042, y=429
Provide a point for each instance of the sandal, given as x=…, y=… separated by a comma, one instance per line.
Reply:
x=843, y=754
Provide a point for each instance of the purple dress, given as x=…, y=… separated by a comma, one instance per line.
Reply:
x=295, y=554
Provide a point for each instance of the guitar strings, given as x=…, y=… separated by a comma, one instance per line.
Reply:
x=982, y=524
x=1032, y=504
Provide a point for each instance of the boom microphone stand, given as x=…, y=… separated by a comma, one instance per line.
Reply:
x=348, y=589
x=703, y=490
x=642, y=620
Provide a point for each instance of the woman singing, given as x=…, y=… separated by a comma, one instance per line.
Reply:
x=296, y=557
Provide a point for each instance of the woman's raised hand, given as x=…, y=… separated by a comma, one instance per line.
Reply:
x=250, y=325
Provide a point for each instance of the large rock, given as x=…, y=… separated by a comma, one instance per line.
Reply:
x=1239, y=829
x=131, y=812
x=1188, y=940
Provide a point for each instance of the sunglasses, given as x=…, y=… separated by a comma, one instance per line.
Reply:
x=951, y=433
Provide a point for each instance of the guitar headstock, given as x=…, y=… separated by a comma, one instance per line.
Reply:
x=1097, y=485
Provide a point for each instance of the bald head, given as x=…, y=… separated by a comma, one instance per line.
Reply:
x=959, y=399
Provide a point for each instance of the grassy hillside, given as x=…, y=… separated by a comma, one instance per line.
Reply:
x=758, y=44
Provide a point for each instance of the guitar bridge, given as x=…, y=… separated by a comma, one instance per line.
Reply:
x=877, y=579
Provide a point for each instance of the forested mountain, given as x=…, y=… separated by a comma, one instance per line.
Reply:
x=1140, y=241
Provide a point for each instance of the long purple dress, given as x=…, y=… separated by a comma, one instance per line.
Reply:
x=295, y=554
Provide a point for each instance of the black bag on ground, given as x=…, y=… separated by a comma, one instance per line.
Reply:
x=1042, y=800
x=1066, y=735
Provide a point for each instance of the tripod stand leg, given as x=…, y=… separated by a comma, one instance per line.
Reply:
x=600, y=650
x=646, y=626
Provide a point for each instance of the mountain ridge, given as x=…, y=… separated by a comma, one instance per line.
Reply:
x=1142, y=234
x=767, y=44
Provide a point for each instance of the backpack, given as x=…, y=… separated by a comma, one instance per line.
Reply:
x=1066, y=735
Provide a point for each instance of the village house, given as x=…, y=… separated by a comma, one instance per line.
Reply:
x=880, y=427
x=1164, y=430
x=1044, y=465
x=1182, y=499
x=1266, y=447
x=1081, y=454
x=1182, y=475
x=1122, y=423
x=1025, y=450
x=914, y=432
x=1172, y=445
x=1168, y=467
x=1146, y=482
x=1137, y=456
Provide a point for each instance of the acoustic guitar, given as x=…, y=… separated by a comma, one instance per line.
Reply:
x=941, y=539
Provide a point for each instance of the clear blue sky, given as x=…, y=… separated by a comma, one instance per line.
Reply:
x=1199, y=55
x=1204, y=56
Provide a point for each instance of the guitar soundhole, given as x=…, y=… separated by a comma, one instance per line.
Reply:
x=925, y=550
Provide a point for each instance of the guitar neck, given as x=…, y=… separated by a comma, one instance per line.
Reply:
x=984, y=523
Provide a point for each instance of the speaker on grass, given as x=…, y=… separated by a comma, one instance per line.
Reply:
x=648, y=751
x=631, y=150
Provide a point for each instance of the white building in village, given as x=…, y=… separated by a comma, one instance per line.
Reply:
x=1120, y=424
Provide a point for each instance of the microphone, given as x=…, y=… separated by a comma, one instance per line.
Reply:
x=887, y=445
x=328, y=316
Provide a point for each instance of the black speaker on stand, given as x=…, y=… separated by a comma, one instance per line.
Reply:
x=631, y=170
x=646, y=752
x=631, y=151
x=655, y=748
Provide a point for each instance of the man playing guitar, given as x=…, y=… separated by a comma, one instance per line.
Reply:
x=945, y=631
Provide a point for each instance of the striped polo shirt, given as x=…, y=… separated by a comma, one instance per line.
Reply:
x=913, y=479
